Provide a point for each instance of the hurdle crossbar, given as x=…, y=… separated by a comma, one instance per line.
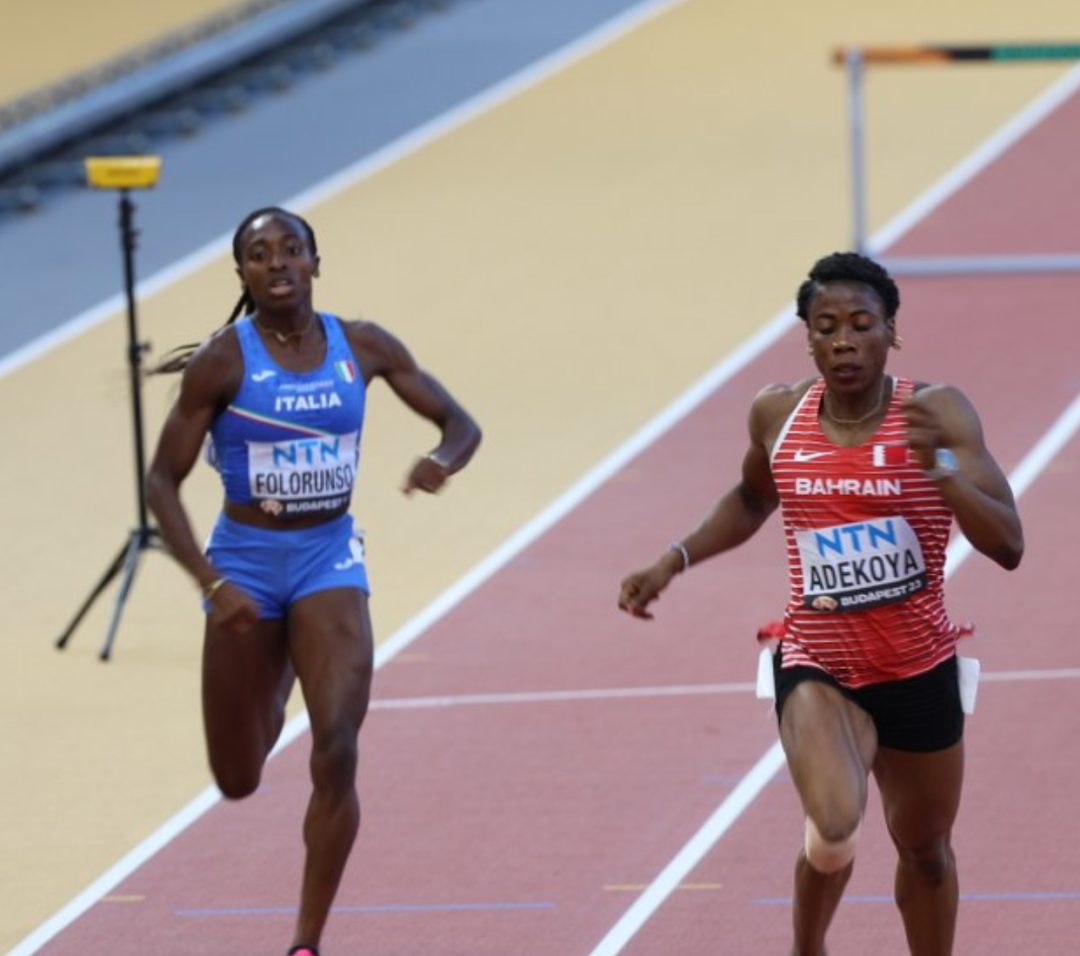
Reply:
x=855, y=59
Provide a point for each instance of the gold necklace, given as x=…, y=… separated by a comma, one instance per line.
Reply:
x=853, y=421
x=284, y=337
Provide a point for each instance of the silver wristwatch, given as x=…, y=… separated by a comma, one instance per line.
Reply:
x=945, y=464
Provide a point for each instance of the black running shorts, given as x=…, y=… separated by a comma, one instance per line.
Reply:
x=919, y=714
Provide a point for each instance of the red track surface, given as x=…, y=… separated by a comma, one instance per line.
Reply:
x=518, y=829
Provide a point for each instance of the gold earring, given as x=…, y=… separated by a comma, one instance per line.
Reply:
x=898, y=342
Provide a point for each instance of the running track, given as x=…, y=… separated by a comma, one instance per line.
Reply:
x=534, y=760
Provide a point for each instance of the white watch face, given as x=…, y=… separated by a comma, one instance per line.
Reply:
x=945, y=460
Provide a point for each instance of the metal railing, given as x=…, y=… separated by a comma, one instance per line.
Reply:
x=856, y=60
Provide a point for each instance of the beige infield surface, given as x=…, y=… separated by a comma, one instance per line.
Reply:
x=567, y=263
x=46, y=41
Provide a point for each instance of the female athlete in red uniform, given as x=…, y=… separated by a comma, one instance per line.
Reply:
x=869, y=471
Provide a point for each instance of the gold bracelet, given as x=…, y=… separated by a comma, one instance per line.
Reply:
x=212, y=588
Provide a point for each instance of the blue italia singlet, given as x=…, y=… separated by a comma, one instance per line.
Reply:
x=290, y=441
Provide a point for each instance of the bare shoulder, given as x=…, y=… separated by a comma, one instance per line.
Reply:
x=216, y=368
x=362, y=332
x=943, y=398
x=369, y=336
x=222, y=347
x=773, y=404
x=935, y=391
x=378, y=350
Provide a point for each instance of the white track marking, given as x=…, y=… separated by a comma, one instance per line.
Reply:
x=646, y=693
x=1014, y=677
x=559, y=696
x=668, y=880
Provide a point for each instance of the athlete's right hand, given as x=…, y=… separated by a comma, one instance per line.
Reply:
x=641, y=588
x=233, y=609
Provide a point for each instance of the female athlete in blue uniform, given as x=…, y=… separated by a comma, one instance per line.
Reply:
x=280, y=393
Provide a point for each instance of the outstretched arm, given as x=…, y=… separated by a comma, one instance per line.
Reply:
x=940, y=416
x=382, y=355
x=730, y=522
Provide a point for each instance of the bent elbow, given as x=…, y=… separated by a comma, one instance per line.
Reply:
x=153, y=489
x=1009, y=556
x=1012, y=561
x=150, y=491
x=472, y=443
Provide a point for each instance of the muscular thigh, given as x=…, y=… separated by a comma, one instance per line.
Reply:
x=830, y=744
x=920, y=792
x=242, y=678
x=331, y=645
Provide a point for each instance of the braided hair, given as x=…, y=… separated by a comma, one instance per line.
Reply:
x=847, y=267
x=176, y=360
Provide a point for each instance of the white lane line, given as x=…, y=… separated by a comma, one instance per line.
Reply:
x=758, y=777
x=668, y=880
x=646, y=693
x=560, y=696
x=1016, y=677
x=603, y=35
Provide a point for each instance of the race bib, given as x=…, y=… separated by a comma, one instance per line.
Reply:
x=303, y=475
x=856, y=566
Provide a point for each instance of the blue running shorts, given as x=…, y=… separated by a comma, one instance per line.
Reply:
x=278, y=567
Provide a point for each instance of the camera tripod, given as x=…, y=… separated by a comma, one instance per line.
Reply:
x=129, y=172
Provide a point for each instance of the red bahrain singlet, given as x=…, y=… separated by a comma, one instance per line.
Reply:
x=866, y=534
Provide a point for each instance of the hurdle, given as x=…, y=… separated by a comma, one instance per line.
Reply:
x=855, y=60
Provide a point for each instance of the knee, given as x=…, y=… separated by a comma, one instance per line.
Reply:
x=333, y=759
x=931, y=861
x=235, y=782
x=831, y=849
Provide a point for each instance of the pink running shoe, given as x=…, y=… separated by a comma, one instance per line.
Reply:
x=303, y=951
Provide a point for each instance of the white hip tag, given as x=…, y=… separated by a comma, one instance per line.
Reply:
x=766, y=680
x=968, y=672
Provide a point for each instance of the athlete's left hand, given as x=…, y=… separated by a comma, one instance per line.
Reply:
x=925, y=430
x=426, y=475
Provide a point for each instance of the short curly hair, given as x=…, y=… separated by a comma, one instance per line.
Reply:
x=847, y=267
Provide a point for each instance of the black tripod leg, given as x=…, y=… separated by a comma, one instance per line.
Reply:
x=144, y=536
x=114, y=569
x=131, y=564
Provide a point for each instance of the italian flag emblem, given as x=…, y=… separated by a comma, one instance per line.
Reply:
x=346, y=371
